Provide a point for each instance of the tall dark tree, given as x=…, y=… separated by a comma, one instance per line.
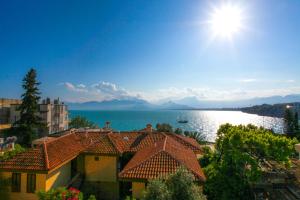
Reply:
x=29, y=122
x=291, y=122
x=296, y=122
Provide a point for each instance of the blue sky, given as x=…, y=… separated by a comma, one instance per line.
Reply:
x=98, y=50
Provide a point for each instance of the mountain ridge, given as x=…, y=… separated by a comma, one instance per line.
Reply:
x=184, y=103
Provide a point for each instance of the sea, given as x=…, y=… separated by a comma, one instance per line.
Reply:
x=203, y=121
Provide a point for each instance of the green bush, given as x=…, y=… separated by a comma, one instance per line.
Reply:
x=92, y=197
x=156, y=190
x=81, y=122
x=9, y=154
x=177, y=186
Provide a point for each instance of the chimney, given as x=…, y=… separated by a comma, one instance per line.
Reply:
x=107, y=125
x=149, y=128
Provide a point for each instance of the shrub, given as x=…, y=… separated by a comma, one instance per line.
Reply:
x=9, y=154
x=60, y=193
x=156, y=190
x=177, y=186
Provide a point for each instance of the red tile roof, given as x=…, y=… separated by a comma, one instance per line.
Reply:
x=161, y=159
x=32, y=159
x=49, y=154
x=62, y=149
x=135, y=141
x=102, y=144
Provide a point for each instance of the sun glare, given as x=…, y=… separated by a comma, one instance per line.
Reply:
x=226, y=21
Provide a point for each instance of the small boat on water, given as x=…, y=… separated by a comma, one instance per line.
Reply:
x=182, y=121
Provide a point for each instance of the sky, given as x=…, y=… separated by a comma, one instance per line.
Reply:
x=153, y=50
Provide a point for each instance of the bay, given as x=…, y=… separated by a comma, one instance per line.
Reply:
x=207, y=122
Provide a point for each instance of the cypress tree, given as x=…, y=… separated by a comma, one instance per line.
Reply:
x=289, y=122
x=29, y=122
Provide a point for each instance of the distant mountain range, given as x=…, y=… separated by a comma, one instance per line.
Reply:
x=195, y=103
x=185, y=103
x=132, y=104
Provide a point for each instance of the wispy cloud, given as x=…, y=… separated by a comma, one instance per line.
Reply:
x=98, y=92
x=108, y=91
x=248, y=80
x=290, y=81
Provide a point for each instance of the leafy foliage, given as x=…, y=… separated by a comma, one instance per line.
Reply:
x=207, y=158
x=61, y=193
x=156, y=190
x=235, y=164
x=164, y=127
x=198, y=136
x=92, y=197
x=177, y=186
x=181, y=186
x=9, y=154
x=81, y=122
x=29, y=123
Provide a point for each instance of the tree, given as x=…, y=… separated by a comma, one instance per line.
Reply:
x=198, y=136
x=181, y=186
x=291, y=122
x=178, y=131
x=177, y=186
x=156, y=190
x=81, y=122
x=29, y=123
x=239, y=153
x=164, y=127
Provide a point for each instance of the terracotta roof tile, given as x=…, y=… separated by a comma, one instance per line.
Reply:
x=46, y=156
x=52, y=153
x=32, y=159
x=160, y=159
x=188, y=142
x=102, y=145
x=63, y=149
x=135, y=141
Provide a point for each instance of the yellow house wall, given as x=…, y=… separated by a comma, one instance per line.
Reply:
x=59, y=177
x=104, y=170
x=5, y=193
x=138, y=189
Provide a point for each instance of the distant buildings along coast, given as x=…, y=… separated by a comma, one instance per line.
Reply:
x=54, y=114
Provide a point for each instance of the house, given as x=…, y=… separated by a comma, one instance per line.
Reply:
x=111, y=164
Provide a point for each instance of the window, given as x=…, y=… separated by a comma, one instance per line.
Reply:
x=31, y=183
x=16, y=182
x=96, y=158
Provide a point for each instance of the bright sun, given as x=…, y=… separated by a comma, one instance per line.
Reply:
x=226, y=21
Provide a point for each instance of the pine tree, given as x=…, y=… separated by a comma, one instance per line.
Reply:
x=29, y=122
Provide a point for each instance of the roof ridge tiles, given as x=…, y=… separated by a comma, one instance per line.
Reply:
x=112, y=142
x=46, y=155
x=60, y=137
x=165, y=141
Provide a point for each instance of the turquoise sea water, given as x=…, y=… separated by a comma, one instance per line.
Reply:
x=204, y=121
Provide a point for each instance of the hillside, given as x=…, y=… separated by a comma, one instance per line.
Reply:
x=275, y=110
